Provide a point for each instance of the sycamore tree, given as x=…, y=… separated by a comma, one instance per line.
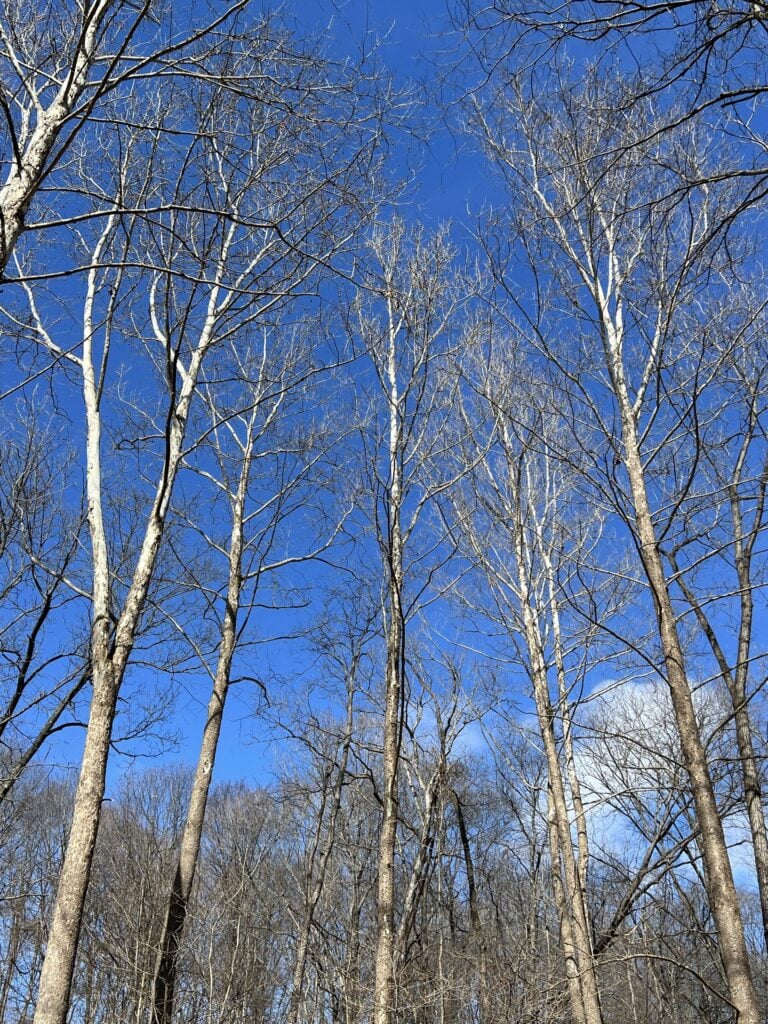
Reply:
x=517, y=514
x=404, y=320
x=629, y=285
x=69, y=69
x=252, y=191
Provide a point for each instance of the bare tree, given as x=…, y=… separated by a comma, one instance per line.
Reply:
x=268, y=197
x=124, y=912
x=403, y=321
x=632, y=272
x=692, y=62
x=63, y=67
x=512, y=512
x=341, y=640
x=267, y=474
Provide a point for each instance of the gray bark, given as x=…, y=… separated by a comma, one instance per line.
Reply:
x=110, y=653
x=384, y=985
x=164, y=984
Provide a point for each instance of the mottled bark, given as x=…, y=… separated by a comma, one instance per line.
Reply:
x=110, y=652
x=164, y=984
x=720, y=885
x=384, y=985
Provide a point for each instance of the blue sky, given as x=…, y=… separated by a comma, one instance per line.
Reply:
x=416, y=43
x=406, y=34
x=449, y=182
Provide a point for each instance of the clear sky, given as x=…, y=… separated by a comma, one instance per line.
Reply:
x=448, y=177
x=417, y=44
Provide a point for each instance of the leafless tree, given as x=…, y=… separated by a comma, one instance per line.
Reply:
x=268, y=198
x=267, y=475
x=403, y=322
x=693, y=62
x=633, y=275
x=513, y=515
x=66, y=67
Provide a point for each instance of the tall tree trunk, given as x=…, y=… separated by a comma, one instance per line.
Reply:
x=574, y=920
x=568, y=888
x=164, y=983
x=109, y=652
x=384, y=986
x=743, y=543
x=564, y=713
x=736, y=682
x=717, y=866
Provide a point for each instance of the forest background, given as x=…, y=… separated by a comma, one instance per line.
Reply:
x=382, y=504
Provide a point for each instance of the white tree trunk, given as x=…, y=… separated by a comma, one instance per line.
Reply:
x=28, y=168
x=109, y=657
x=720, y=885
x=384, y=985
